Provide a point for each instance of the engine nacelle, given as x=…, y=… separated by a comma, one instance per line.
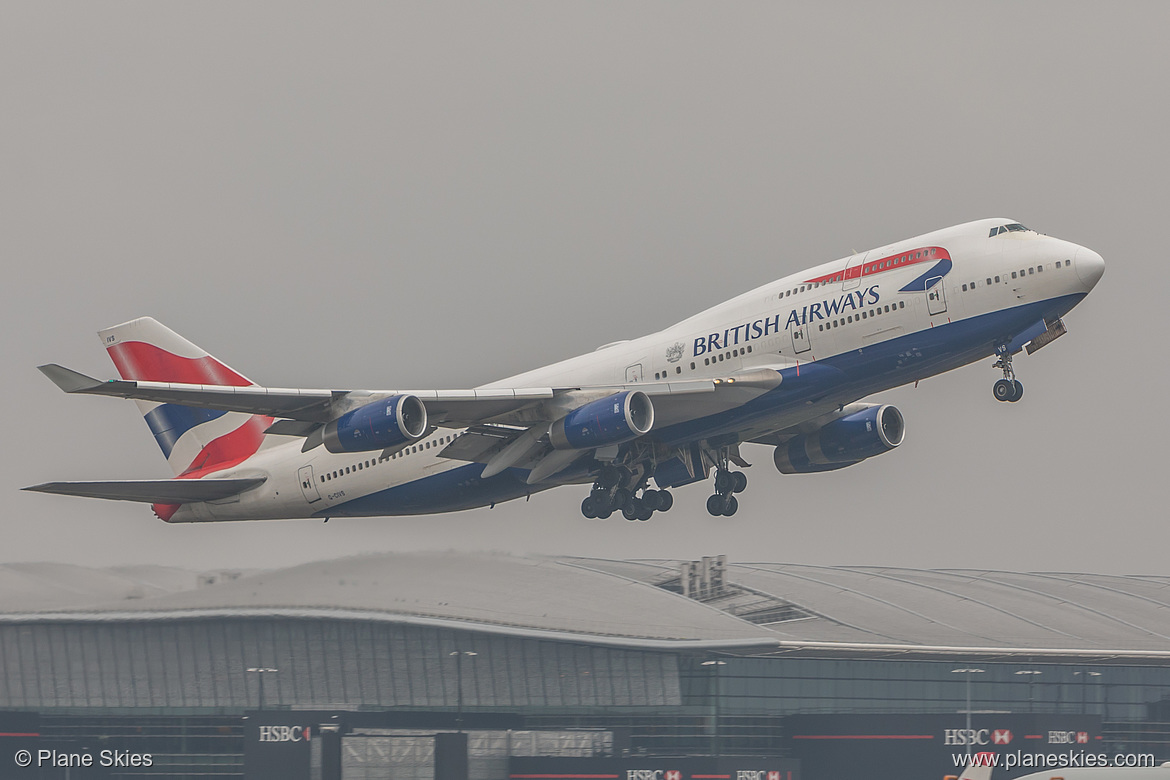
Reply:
x=378, y=425
x=842, y=442
x=619, y=418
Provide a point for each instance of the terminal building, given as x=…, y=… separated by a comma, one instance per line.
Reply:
x=362, y=667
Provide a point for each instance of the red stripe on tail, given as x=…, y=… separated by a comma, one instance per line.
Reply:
x=139, y=360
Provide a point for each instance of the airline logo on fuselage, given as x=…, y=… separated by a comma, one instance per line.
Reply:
x=761, y=328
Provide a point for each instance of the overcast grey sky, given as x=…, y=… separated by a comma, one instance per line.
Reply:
x=438, y=195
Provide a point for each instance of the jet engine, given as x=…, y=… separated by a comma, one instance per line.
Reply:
x=842, y=442
x=616, y=419
x=378, y=425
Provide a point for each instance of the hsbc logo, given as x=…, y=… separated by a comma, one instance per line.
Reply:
x=653, y=774
x=672, y=774
x=1082, y=737
x=753, y=774
x=285, y=733
x=965, y=737
x=1001, y=737
x=1068, y=737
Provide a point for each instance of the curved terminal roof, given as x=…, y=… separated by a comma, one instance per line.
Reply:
x=753, y=608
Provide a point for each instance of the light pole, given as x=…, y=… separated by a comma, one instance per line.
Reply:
x=1031, y=678
x=261, y=671
x=968, y=671
x=714, y=667
x=1083, y=676
x=459, y=683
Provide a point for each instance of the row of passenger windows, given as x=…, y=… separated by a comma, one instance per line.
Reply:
x=865, y=315
x=366, y=464
x=890, y=262
x=1020, y=274
x=739, y=352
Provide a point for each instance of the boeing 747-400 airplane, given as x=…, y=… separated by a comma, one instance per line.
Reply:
x=785, y=365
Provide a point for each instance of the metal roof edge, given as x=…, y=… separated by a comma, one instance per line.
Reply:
x=1031, y=652
x=624, y=642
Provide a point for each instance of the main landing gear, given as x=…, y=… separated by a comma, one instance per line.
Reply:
x=1009, y=388
x=617, y=489
x=727, y=484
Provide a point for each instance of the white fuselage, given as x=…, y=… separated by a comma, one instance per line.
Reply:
x=840, y=313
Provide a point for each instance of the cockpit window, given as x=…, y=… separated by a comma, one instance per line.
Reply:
x=1015, y=227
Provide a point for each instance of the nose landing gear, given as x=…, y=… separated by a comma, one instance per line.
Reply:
x=1009, y=388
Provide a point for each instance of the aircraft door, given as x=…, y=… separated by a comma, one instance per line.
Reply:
x=800, y=342
x=852, y=277
x=634, y=373
x=936, y=296
x=308, y=484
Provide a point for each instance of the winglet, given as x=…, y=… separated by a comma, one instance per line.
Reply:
x=69, y=380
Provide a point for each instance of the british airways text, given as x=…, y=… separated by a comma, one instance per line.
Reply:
x=765, y=327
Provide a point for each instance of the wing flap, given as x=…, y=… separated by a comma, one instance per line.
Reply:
x=153, y=491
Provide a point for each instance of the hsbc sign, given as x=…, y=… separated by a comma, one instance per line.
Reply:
x=285, y=733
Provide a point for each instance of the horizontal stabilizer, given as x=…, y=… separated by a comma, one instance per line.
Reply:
x=153, y=491
x=69, y=380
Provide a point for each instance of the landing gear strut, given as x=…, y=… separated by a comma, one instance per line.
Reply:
x=617, y=490
x=1009, y=388
x=727, y=484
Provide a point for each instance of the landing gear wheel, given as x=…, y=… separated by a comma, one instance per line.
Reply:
x=1005, y=390
x=632, y=509
x=604, y=514
x=589, y=507
x=731, y=507
x=724, y=480
x=738, y=482
x=715, y=505
x=646, y=513
x=621, y=497
x=1018, y=387
x=652, y=499
x=665, y=501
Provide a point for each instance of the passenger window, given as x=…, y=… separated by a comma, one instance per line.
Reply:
x=749, y=347
x=1032, y=271
x=1066, y=262
x=849, y=318
x=997, y=280
x=678, y=369
x=1013, y=274
x=692, y=366
x=1039, y=268
x=964, y=288
x=901, y=304
x=820, y=327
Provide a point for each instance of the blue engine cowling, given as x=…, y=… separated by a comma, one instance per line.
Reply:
x=377, y=425
x=843, y=442
x=619, y=418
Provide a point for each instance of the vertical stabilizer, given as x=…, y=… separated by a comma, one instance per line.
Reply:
x=194, y=441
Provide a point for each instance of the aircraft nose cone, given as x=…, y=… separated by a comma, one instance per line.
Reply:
x=1090, y=266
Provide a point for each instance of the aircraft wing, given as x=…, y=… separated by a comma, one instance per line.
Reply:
x=449, y=408
x=153, y=491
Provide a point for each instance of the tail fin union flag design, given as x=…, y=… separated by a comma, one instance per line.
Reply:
x=194, y=441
